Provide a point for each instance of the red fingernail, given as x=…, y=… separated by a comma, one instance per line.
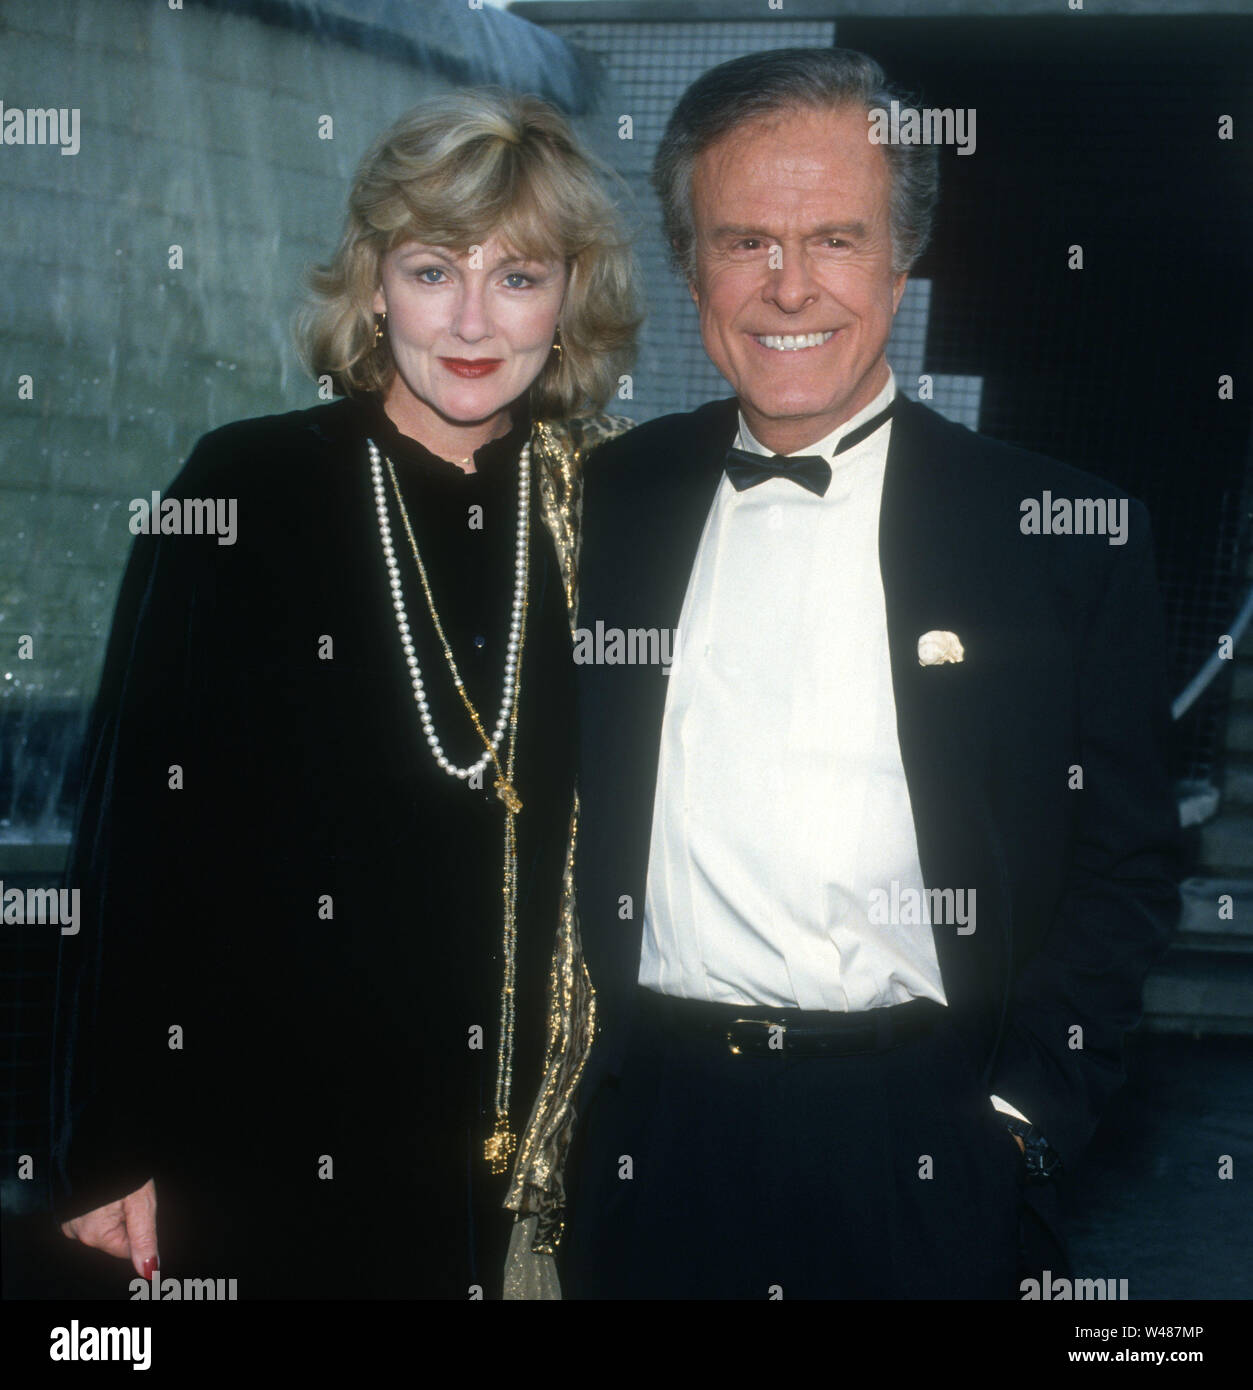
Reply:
x=150, y=1264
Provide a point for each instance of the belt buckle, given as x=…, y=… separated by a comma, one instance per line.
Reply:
x=765, y=1023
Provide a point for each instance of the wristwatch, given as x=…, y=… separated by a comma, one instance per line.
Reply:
x=1042, y=1159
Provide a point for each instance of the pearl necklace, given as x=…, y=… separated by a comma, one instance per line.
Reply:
x=402, y=620
x=499, y=1147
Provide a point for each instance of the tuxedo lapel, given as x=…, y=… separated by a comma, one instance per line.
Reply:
x=928, y=545
x=668, y=530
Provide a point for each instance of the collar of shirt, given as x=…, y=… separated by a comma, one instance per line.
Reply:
x=495, y=463
x=825, y=446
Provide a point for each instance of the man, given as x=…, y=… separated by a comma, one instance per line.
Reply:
x=871, y=874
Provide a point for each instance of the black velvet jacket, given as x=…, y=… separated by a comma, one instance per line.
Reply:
x=291, y=916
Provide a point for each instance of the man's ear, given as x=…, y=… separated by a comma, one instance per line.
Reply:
x=898, y=289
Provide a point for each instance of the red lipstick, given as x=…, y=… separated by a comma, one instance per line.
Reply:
x=472, y=366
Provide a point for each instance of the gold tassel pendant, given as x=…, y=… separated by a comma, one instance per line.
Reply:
x=499, y=1148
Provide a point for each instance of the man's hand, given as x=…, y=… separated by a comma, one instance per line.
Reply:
x=127, y=1229
x=1017, y=1138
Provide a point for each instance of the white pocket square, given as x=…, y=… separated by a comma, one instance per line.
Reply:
x=935, y=648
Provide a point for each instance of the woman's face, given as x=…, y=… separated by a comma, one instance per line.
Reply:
x=469, y=331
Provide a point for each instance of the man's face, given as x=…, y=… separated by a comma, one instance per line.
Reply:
x=794, y=270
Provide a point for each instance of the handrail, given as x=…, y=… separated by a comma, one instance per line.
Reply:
x=1188, y=696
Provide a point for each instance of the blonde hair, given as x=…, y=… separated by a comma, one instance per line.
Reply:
x=452, y=172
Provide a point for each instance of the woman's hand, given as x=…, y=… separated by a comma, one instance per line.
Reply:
x=127, y=1229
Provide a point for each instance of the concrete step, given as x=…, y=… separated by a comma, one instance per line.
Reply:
x=1227, y=841
x=1198, y=801
x=1200, y=992
x=1204, y=982
x=1201, y=927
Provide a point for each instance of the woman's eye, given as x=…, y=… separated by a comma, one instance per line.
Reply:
x=515, y=280
x=429, y=271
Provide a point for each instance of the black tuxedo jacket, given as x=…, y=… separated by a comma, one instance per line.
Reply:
x=1063, y=667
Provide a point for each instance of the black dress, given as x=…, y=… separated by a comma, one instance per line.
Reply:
x=270, y=1005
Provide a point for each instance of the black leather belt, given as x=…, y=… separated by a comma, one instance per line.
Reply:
x=757, y=1031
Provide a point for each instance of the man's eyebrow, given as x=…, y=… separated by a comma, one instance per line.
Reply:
x=851, y=229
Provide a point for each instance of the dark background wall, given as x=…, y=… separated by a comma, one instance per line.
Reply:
x=1105, y=133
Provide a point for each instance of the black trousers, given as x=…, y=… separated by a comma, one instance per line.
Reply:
x=883, y=1175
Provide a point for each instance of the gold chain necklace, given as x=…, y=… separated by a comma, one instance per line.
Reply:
x=500, y=1146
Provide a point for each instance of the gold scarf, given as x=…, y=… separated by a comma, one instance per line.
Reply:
x=537, y=1184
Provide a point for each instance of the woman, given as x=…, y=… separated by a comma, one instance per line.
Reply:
x=324, y=838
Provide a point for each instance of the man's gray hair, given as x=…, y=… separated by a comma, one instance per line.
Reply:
x=765, y=84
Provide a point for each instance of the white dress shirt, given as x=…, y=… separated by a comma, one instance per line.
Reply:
x=781, y=800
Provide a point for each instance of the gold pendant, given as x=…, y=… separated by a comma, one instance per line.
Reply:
x=499, y=1147
x=510, y=797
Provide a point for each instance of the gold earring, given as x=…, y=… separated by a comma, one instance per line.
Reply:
x=557, y=348
x=379, y=321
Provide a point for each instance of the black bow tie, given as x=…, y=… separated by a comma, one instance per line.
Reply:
x=810, y=471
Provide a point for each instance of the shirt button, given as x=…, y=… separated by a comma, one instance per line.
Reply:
x=480, y=640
